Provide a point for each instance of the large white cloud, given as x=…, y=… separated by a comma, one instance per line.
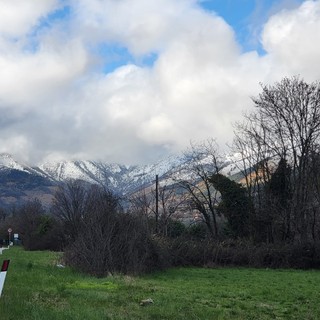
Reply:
x=56, y=101
x=142, y=26
x=291, y=38
x=18, y=17
x=30, y=79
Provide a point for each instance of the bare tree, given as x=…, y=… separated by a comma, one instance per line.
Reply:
x=171, y=204
x=110, y=240
x=315, y=190
x=202, y=161
x=141, y=202
x=256, y=165
x=37, y=230
x=3, y=214
x=286, y=123
x=69, y=205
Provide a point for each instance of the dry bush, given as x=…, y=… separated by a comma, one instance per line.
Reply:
x=111, y=241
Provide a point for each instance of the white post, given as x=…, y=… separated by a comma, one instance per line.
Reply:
x=3, y=273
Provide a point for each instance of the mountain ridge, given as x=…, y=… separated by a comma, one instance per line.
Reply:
x=22, y=182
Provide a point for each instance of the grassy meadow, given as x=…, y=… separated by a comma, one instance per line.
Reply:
x=37, y=289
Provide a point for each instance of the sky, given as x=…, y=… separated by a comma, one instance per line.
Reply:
x=131, y=81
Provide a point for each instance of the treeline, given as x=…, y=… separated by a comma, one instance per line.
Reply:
x=268, y=215
x=279, y=144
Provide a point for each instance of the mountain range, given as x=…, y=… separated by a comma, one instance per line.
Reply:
x=20, y=183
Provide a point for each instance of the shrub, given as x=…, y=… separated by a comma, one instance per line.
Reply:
x=205, y=252
x=197, y=231
x=38, y=230
x=110, y=241
x=175, y=228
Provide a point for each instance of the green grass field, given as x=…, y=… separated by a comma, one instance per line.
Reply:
x=36, y=289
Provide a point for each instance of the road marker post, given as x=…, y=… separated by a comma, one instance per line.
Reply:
x=3, y=273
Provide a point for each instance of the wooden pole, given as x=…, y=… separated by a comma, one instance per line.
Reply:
x=157, y=203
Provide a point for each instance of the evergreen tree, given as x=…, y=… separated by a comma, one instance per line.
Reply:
x=279, y=195
x=234, y=205
x=279, y=186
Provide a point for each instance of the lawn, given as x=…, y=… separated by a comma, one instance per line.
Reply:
x=36, y=288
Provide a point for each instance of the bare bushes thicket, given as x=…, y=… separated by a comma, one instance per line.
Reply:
x=111, y=241
x=204, y=252
x=114, y=243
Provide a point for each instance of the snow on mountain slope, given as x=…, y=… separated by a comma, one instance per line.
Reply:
x=119, y=178
x=64, y=170
x=6, y=161
x=233, y=165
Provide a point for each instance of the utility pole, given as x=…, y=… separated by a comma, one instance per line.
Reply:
x=157, y=203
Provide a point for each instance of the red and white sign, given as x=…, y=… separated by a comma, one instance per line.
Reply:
x=9, y=230
x=3, y=273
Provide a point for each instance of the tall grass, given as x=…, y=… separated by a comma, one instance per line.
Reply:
x=36, y=288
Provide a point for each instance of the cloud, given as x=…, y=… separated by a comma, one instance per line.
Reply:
x=142, y=26
x=18, y=17
x=30, y=79
x=291, y=38
x=57, y=102
x=263, y=10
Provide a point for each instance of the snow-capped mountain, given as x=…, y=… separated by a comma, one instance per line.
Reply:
x=6, y=161
x=19, y=182
x=120, y=178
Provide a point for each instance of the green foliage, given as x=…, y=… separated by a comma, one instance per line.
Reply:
x=37, y=230
x=197, y=231
x=175, y=228
x=234, y=204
